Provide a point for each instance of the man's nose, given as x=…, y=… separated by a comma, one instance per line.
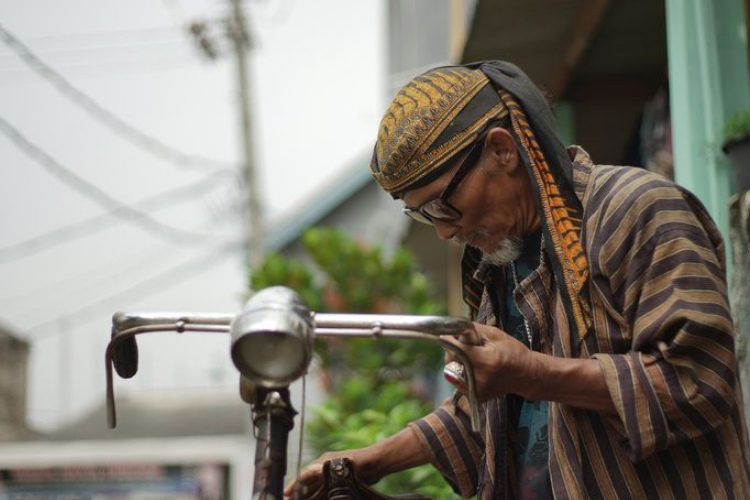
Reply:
x=445, y=230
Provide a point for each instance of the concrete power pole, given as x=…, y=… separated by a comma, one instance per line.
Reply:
x=252, y=206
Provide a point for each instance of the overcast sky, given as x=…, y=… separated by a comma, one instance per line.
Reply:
x=317, y=71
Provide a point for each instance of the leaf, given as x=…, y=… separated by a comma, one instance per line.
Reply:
x=737, y=126
x=372, y=382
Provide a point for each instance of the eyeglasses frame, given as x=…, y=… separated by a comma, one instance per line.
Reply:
x=470, y=161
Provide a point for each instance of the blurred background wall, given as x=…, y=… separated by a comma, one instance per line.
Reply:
x=124, y=156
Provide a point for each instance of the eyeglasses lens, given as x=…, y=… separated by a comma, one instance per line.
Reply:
x=417, y=216
x=437, y=209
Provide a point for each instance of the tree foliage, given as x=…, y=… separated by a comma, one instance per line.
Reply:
x=737, y=126
x=376, y=387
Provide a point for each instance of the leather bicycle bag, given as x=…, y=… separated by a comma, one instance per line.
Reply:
x=342, y=483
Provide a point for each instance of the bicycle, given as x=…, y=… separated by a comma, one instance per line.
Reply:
x=272, y=346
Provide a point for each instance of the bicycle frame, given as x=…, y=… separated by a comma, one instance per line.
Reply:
x=269, y=400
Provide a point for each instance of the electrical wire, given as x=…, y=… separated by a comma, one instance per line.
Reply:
x=137, y=60
x=149, y=45
x=87, y=282
x=96, y=194
x=139, y=32
x=283, y=13
x=110, y=69
x=72, y=61
x=146, y=288
x=70, y=232
x=109, y=272
x=106, y=117
x=147, y=50
x=176, y=11
x=91, y=282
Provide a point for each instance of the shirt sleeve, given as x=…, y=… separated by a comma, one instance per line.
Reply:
x=454, y=449
x=663, y=264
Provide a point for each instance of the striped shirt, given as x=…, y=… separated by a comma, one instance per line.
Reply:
x=663, y=335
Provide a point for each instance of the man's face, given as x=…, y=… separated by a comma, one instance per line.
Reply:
x=494, y=199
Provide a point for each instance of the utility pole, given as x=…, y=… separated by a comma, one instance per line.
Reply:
x=252, y=206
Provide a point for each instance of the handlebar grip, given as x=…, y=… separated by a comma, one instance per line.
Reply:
x=125, y=357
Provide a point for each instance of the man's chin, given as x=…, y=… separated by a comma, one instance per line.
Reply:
x=503, y=252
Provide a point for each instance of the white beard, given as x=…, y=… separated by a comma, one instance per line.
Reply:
x=508, y=251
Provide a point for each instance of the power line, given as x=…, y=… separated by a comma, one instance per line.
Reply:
x=87, y=280
x=115, y=123
x=110, y=69
x=108, y=63
x=80, y=229
x=145, y=288
x=85, y=60
x=90, y=283
x=283, y=13
x=150, y=45
x=55, y=39
x=89, y=190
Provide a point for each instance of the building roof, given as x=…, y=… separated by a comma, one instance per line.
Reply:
x=9, y=334
x=320, y=204
x=570, y=45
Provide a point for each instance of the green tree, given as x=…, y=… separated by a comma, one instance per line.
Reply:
x=376, y=388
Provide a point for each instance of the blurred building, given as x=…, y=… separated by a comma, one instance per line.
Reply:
x=192, y=444
x=602, y=62
x=635, y=82
x=14, y=354
x=420, y=34
x=614, y=69
x=638, y=82
x=645, y=83
x=188, y=445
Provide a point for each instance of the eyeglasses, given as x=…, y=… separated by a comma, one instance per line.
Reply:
x=438, y=208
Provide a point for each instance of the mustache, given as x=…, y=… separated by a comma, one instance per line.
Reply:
x=509, y=248
x=466, y=239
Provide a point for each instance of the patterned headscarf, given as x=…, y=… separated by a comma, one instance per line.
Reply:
x=431, y=119
x=436, y=115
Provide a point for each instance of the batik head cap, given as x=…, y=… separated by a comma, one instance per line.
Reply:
x=431, y=119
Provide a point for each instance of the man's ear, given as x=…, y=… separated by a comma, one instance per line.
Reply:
x=503, y=147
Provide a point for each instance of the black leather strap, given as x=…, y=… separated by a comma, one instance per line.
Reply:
x=342, y=483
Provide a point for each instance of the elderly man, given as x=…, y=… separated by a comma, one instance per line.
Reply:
x=607, y=368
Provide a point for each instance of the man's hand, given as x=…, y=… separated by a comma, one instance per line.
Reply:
x=502, y=364
x=393, y=454
x=311, y=476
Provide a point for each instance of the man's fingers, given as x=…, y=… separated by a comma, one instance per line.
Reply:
x=448, y=357
x=455, y=344
x=310, y=478
x=451, y=339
